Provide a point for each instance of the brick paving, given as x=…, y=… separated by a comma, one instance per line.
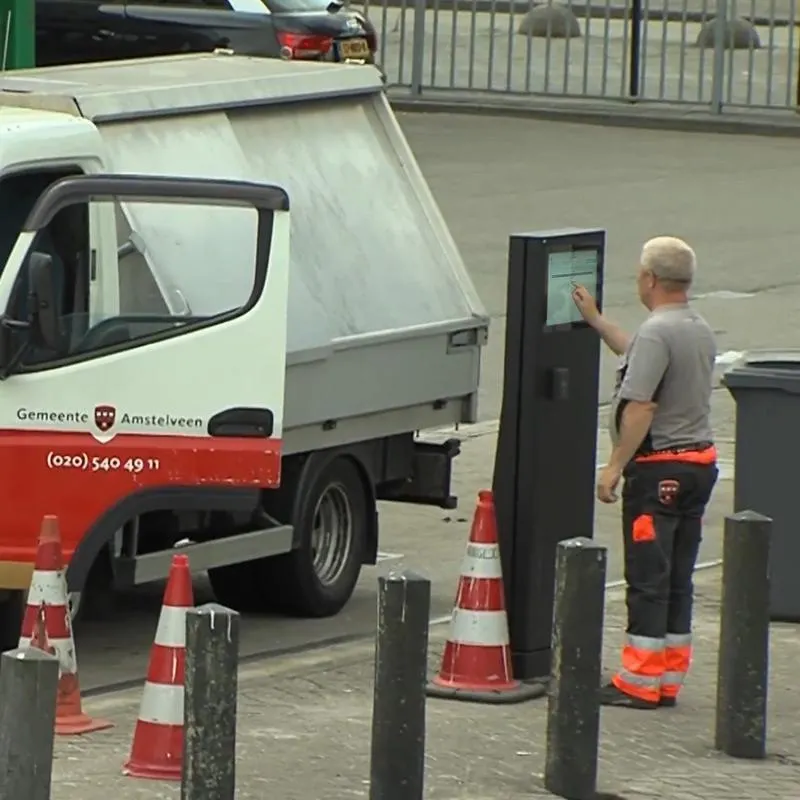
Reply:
x=304, y=720
x=304, y=733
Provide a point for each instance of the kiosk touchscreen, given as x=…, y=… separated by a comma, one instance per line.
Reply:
x=566, y=269
x=544, y=474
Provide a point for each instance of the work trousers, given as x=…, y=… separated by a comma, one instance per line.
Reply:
x=663, y=501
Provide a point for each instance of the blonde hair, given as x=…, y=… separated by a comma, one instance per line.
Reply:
x=670, y=260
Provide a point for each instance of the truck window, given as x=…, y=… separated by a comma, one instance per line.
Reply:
x=179, y=266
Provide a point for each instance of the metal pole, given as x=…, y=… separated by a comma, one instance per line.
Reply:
x=418, y=46
x=720, y=41
x=209, y=714
x=743, y=669
x=28, y=688
x=634, y=90
x=397, y=767
x=573, y=709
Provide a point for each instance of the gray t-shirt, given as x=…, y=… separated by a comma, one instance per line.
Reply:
x=670, y=360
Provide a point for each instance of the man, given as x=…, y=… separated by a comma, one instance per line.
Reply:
x=663, y=446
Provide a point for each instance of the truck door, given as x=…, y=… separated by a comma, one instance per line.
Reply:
x=144, y=407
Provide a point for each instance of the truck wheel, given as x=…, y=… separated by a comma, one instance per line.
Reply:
x=332, y=518
x=317, y=579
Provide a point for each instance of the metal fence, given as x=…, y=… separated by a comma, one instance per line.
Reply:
x=713, y=53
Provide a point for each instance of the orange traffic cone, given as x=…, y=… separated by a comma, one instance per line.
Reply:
x=157, y=750
x=476, y=664
x=47, y=626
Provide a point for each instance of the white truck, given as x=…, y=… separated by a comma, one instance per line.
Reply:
x=181, y=365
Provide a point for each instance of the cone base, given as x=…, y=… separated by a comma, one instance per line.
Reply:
x=515, y=692
x=467, y=685
x=152, y=772
x=79, y=724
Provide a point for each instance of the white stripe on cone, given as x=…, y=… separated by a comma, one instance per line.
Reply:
x=171, y=631
x=49, y=588
x=64, y=649
x=482, y=561
x=487, y=628
x=162, y=704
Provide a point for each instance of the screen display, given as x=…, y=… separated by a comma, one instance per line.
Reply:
x=565, y=269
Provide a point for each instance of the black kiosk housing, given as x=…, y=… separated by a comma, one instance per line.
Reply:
x=546, y=456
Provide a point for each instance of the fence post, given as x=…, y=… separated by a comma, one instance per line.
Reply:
x=28, y=688
x=209, y=714
x=720, y=41
x=397, y=767
x=573, y=708
x=743, y=668
x=418, y=46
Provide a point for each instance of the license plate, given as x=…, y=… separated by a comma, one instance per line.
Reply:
x=353, y=48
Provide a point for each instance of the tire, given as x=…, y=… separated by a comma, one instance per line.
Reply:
x=331, y=514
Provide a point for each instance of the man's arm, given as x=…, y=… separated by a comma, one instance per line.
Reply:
x=616, y=339
x=647, y=364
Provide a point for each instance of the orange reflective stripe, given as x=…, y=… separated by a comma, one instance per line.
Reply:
x=702, y=457
x=644, y=529
x=647, y=689
x=677, y=659
x=648, y=662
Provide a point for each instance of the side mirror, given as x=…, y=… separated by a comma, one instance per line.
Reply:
x=44, y=308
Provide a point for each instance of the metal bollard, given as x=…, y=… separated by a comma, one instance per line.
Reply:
x=743, y=668
x=397, y=764
x=209, y=714
x=28, y=688
x=573, y=709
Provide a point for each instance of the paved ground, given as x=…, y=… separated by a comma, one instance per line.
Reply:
x=304, y=732
x=492, y=177
x=484, y=51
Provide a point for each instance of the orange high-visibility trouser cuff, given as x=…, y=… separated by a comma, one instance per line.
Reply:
x=677, y=659
x=643, y=668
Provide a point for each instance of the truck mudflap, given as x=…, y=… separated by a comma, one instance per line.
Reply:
x=431, y=476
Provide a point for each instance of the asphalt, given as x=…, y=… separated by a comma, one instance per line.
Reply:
x=731, y=197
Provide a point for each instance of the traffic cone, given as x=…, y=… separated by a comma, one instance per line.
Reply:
x=47, y=626
x=476, y=664
x=157, y=749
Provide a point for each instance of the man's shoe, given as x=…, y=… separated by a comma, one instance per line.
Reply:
x=611, y=696
x=668, y=702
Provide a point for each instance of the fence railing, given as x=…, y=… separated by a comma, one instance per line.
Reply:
x=713, y=53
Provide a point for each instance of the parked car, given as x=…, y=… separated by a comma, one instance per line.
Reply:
x=76, y=31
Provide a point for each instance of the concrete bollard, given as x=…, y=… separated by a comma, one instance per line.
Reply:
x=209, y=713
x=573, y=710
x=743, y=668
x=397, y=765
x=28, y=688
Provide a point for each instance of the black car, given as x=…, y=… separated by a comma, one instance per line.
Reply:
x=78, y=31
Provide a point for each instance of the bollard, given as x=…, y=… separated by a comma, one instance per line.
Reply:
x=209, y=714
x=743, y=668
x=397, y=764
x=573, y=709
x=28, y=688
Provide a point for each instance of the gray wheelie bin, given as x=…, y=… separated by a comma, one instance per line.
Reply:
x=766, y=387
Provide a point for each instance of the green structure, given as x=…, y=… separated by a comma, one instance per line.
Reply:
x=18, y=24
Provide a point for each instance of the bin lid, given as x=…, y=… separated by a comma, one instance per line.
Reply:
x=776, y=368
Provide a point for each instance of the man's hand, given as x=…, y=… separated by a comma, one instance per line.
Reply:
x=607, y=483
x=586, y=304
